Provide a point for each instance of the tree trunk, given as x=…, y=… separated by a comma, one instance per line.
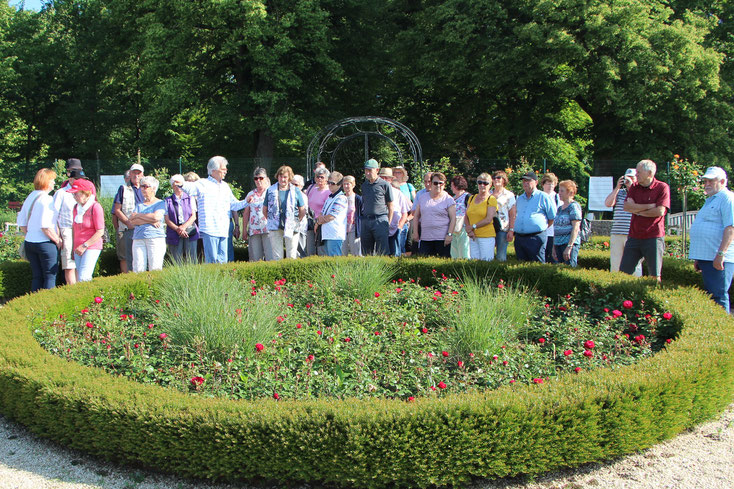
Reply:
x=264, y=149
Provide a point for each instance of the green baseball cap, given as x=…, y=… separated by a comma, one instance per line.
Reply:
x=371, y=163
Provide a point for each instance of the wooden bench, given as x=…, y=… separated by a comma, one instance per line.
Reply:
x=15, y=206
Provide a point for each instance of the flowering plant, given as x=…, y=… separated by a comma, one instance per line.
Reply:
x=685, y=177
x=406, y=342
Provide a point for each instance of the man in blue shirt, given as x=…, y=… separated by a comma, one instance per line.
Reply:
x=711, y=237
x=534, y=212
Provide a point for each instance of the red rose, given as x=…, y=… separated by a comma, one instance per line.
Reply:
x=667, y=315
x=568, y=352
x=197, y=381
x=377, y=333
x=538, y=381
x=90, y=325
x=616, y=313
x=411, y=399
x=318, y=332
x=259, y=347
x=298, y=326
x=441, y=385
x=84, y=311
x=98, y=300
x=163, y=336
x=669, y=341
x=589, y=344
x=460, y=364
x=310, y=358
x=398, y=290
x=500, y=286
x=588, y=353
x=627, y=304
x=505, y=362
x=541, y=340
x=445, y=353
x=280, y=319
x=276, y=396
x=577, y=369
x=377, y=294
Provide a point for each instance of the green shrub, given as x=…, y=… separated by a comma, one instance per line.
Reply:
x=530, y=429
x=356, y=279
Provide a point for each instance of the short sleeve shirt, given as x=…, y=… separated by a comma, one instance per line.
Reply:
x=434, y=216
x=707, y=231
x=92, y=221
x=657, y=193
x=534, y=212
x=564, y=223
x=375, y=197
x=146, y=231
x=621, y=219
x=477, y=211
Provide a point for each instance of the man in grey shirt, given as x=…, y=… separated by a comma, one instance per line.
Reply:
x=377, y=210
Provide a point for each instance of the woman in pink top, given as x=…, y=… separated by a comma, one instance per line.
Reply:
x=88, y=226
x=317, y=195
x=435, y=215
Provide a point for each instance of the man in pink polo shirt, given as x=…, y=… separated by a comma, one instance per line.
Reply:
x=648, y=201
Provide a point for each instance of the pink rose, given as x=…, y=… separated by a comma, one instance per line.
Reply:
x=163, y=336
x=616, y=313
x=98, y=300
x=627, y=304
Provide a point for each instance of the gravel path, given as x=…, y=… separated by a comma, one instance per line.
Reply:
x=700, y=458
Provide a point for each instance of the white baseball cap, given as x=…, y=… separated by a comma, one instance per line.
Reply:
x=631, y=172
x=714, y=173
x=137, y=166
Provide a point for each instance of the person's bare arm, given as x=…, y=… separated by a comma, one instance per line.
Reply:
x=612, y=197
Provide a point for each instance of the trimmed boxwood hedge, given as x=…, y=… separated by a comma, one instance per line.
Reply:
x=526, y=429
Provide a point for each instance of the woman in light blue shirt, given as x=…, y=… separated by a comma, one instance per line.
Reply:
x=567, y=225
x=149, y=235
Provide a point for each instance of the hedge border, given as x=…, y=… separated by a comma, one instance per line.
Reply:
x=530, y=429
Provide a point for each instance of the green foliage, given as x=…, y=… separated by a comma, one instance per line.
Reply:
x=684, y=177
x=203, y=305
x=490, y=316
x=358, y=279
x=572, y=420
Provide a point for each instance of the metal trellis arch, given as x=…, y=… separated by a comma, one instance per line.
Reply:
x=366, y=127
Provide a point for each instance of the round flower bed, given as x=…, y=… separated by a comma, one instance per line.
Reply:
x=530, y=428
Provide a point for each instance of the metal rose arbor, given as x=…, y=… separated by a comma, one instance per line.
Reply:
x=333, y=142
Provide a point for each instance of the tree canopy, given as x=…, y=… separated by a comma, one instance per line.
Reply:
x=567, y=80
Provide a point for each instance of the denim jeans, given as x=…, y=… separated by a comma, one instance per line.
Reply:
x=43, y=258
x=717, y=282
x=215, y=248
x=573, y=261
x=501, y=242
x=333, y=247
x=374, y=233
x=85, y=264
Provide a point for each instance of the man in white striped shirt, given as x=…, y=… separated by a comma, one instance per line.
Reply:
x=620, y=220
x=216, y=202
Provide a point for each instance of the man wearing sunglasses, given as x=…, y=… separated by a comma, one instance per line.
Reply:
x=534, y=212
x=377, y=211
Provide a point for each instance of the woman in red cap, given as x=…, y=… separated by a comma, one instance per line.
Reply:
x=88, y=226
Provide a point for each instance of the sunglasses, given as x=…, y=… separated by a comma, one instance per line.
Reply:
x=258, y=178
x=481, y=182
x=320, y=176
x=145, y=186
x=439, y=183
x=179, y=185
x=332, y=183
x=497, y=178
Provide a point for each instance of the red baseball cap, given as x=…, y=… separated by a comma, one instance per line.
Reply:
x=82, y=184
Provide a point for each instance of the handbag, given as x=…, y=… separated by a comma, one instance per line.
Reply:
x=21, y=248
x=497, y=224
x=191, y=230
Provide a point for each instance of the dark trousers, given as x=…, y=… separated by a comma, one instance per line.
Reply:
x=434, y=248
x=374, y=235
x=549, y=251
x=531, y=248
x=43, y=258
x=635, y=249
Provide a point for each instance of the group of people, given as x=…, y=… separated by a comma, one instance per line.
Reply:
x=325, y=216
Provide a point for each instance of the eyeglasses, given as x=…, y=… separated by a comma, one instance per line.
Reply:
x=320, y=176
x=258, y=178
x=439, y=183
x=481, y=182
x=332, y=183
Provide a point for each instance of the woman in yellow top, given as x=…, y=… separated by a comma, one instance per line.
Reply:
x=480, y=211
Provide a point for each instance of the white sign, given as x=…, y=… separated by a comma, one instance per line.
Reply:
x=599, y=188
x=108, y=184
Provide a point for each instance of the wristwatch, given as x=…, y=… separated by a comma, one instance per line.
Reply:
x=720, y=253
x=449, y=234
x=473, y=226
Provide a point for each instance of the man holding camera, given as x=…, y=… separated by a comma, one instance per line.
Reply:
x=64, y=204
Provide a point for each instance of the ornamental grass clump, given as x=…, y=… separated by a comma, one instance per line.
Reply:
x=490, y=316
x=200, y=304
x=355, y=279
